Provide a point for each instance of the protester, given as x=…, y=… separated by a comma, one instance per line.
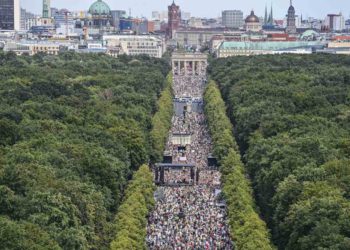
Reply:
x=189, y=214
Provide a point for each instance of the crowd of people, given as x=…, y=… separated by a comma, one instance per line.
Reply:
x=178, y=176
x=209, y=177
x=189, y=86
x=196, y=153
x=189, y=216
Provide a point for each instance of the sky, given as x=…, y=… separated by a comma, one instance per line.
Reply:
x=205, y=8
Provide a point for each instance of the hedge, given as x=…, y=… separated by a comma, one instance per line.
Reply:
x=247, y=229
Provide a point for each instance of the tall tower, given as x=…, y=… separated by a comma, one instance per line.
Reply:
x=46, y=9
x=10, y=15
x=174, y=19
x=291, y=27
x=268, y=18
x=271, y=16
x=266, y=21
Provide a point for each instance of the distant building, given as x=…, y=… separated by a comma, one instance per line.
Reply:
x=31, y=22
x=243, y=48
x=46, y=21
x=10, y=15
x=116, y=16
x=46, y=9
x=347, y=24
x=61, y=17
x=342, y=39
x=43, y=30
x=125, y=24
x=46, y=17
x=195, y=22
x=237, y=36
x=129, y=25
x=298, y=23
x=314, y=23
x=32, y=48
x=252, y=23
x=157, y=25
x=140, y=26
x=151, y=26
x=22, y=20
x=134, y=45
x=268, y=19
x=26, y=18
x=232, y=18
x=53, y=10
x=291, y=26
x=101, y=16
x=174, y=19
x=160, y=15
x=339, y=45
x=335, y=22
x=195, y=37
x=185, y=15
x=280, y=37
x=64, y=22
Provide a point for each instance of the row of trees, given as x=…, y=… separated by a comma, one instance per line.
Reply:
x=247, y=229
x=292, y=122
x=73, y=128
x=131, y=219
x=161, y=122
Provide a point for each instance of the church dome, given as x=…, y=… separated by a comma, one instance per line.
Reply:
x=291, y=8
x=99, y=8
x=252, y=18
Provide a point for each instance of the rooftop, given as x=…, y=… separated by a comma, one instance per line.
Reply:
x=99, y=8
x=252, y=18
x=269, y=45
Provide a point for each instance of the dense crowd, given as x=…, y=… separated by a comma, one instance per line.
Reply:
x=179, y=176
x=198, y=150
x=189, y=86
x=189, y=217
x=209, y=177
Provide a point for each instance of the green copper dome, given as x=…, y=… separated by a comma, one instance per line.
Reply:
x=99, y=8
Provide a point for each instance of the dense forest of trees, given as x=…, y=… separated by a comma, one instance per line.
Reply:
x=73, y=129
x=247, y=229
x=292, y=121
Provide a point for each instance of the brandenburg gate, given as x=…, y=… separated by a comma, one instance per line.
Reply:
x=189, y=63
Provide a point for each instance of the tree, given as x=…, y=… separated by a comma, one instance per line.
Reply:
x=290, y=116
x=73, y=129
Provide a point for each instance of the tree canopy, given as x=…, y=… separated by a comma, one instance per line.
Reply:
x=73, y=129
x=292, y=123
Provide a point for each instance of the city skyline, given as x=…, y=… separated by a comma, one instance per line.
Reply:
x=144, y=8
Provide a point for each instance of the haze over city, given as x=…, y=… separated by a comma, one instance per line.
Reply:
x=199, y=8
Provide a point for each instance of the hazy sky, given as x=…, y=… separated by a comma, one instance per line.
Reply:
x=206, y=8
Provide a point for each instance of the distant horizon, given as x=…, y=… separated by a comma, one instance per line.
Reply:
x=143, y=8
